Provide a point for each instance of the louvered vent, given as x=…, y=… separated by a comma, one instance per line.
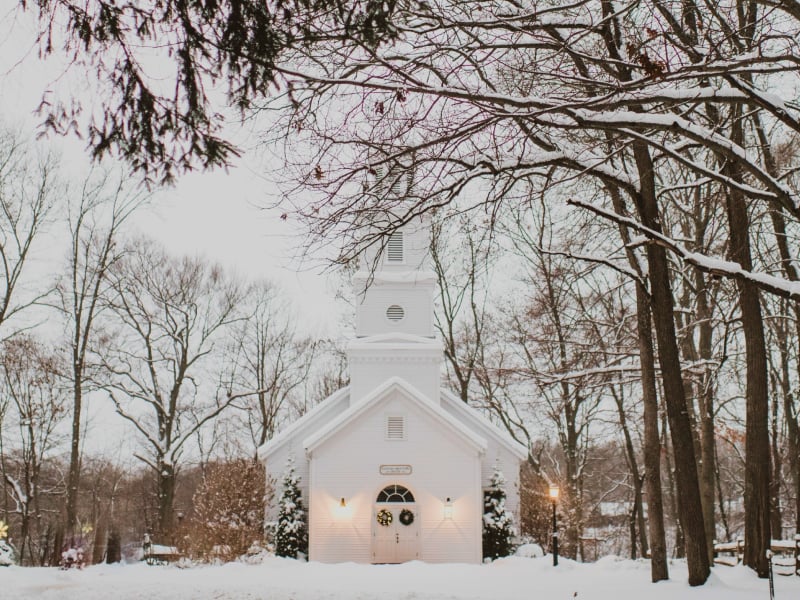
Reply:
x=395, y=428
x=394, y=247
x=395, y=313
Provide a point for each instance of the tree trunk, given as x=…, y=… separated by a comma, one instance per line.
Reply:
x=73, y=477
x=705, y=398
x=776, y=521
x=757, y=455
x=690, y=510
x=652, y=444
x=113, y=547
x=636, y=516
x=166, y=498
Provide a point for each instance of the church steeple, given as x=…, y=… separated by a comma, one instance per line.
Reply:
x=395, y=288
x=395, y=334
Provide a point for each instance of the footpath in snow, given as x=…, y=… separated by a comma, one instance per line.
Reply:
x=514, y=578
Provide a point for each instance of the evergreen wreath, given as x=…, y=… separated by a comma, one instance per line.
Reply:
x=406, y=517
x=384, y=517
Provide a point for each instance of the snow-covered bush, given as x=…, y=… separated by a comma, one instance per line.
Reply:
x=291, y=534
x=6, y=554
x=498, y=526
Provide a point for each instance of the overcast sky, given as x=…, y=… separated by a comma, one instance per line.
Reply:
x=217, y=214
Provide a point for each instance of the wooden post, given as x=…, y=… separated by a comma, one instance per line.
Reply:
x=797, y=554
x=739, y=550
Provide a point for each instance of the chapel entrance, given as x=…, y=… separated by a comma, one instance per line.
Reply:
x=395, y=526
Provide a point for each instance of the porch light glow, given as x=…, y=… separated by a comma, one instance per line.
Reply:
x=448, y=509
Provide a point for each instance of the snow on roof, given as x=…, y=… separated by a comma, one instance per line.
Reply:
x=461, y=407
x=379, y=394
x=276, y=442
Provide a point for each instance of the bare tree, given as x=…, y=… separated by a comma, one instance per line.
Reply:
x=167, y=318
x=269, y=358
x=32, y=379
x=460, y=254
x=94, y=218
x=27, y=197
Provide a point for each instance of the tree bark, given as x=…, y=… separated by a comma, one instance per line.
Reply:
x=652, y=444
x=705, y=398
x=690, y=510
x=166, y=499
x=757, y=455
x=73, y=478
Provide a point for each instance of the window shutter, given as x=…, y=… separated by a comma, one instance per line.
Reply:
x=395, y=428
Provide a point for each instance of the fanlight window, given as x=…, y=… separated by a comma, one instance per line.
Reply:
x=395, y=493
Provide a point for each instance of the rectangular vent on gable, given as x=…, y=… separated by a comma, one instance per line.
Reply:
x=394, y=247
x=395, y=428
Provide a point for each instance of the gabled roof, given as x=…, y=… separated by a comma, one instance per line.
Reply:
x=379, y=394
x=482, y=424
x=320, y=409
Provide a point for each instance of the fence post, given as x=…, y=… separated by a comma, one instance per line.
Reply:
x=771, y=576
x=739, y=550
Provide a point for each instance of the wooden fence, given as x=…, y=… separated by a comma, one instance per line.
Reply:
x=785, y=554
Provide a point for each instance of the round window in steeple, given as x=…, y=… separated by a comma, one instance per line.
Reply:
x=395, y=313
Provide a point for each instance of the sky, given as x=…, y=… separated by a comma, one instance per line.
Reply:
x=218, y=214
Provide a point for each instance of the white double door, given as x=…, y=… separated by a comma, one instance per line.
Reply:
x=395, y=542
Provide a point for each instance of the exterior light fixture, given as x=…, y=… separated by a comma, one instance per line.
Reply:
x=553, y=492
x=554, y=497
x=342, y=503
x=448, y=509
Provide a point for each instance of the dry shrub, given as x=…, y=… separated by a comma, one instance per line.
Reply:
x=228, y=512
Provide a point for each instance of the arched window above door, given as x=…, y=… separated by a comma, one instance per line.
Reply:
x=395, y=493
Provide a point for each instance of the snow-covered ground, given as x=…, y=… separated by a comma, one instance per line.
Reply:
x=283, y=579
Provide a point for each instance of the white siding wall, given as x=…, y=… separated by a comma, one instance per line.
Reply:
x=276, y=462
x=496, y=453
x=367, y=372
x=416, y=301
x=347, y=466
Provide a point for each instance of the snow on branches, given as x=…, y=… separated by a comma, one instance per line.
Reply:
x=498, y=523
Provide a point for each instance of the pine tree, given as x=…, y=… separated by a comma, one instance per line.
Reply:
x=291, y=536
x=498, y=526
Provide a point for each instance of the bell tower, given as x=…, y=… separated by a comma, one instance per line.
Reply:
x=395, y=334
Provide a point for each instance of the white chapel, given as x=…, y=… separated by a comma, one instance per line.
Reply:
x=393, y=467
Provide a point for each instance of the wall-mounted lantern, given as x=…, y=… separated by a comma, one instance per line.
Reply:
x=448, y=509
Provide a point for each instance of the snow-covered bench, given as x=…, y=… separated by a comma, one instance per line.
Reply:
x=158, y=554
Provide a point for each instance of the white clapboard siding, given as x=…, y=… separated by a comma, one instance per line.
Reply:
x=502, y=450
x=276, y=452
x=416, y=304
x=368, y=371
x=348, y=466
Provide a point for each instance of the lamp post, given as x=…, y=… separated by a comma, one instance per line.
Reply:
x=554, y=498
